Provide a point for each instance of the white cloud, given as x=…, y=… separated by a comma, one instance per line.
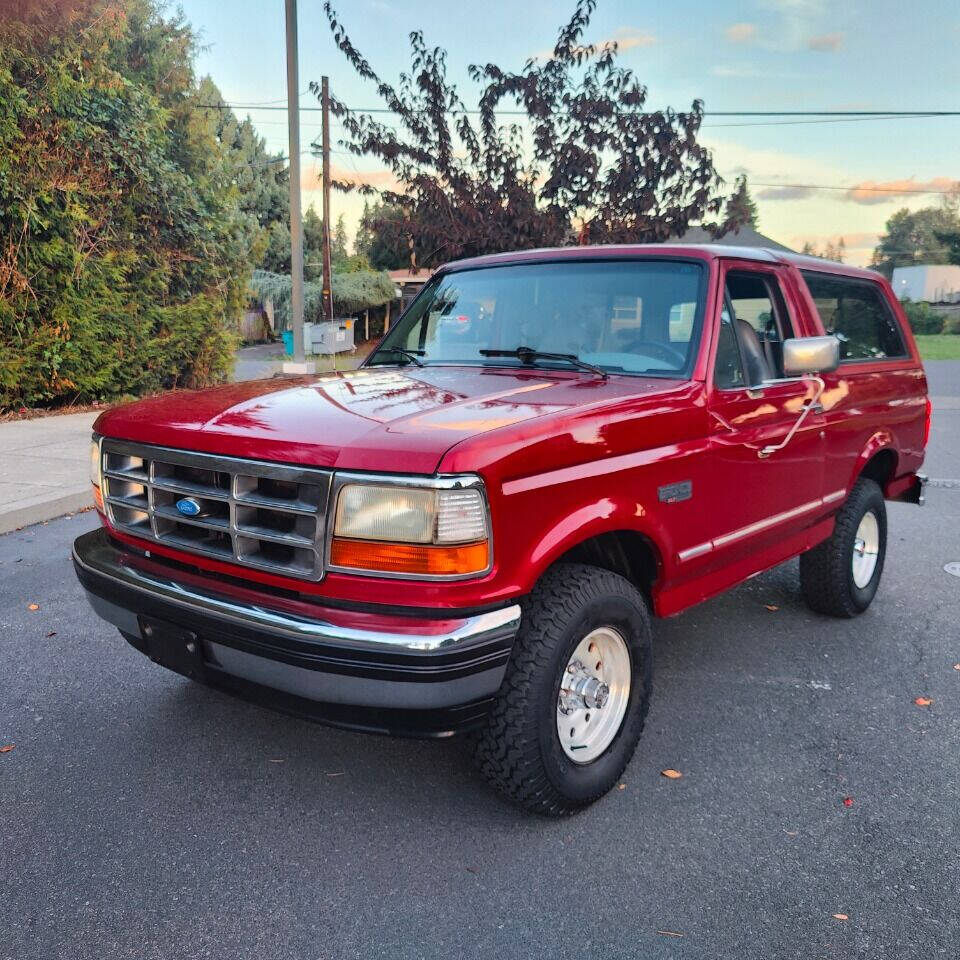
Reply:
x=741, y=33
x=793, y=214
x=825, y=42
x=626, y=38
x=800, y=25
x=733, y=71
x=872, y=192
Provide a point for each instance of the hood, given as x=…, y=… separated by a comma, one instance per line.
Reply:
x=378, y=418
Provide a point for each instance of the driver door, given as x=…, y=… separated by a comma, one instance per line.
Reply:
x=756, y=498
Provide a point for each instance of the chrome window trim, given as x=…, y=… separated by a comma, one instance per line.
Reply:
x=759, y=526
x=465, y=481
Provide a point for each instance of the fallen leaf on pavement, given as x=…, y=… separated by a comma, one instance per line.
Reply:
x=671, y=774
x=669, y=933
x=772, y=607
x=621, y=786
x=956, y=666
x=923, y=701
x=52, y=633
x=840, y=916
x=7, y=748
x=848, y=801
x=34, y=606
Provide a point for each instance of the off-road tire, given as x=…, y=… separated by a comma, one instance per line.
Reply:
x=826, y=572
x=518, y=750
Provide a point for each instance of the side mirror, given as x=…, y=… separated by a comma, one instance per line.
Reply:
x=810, y=355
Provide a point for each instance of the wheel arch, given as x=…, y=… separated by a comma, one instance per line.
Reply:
x=629, y=553
x=877, y=461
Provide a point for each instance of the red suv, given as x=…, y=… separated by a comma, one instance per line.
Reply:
x=473, y=530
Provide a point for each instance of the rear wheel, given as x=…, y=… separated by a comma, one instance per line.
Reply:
x=840, y=576
x=572, y=705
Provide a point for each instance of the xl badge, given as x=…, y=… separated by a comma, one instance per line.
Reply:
x=188, y=507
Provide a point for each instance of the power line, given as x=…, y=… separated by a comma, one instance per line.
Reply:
x=826, y=115
x=851, y=189
x=791, y=123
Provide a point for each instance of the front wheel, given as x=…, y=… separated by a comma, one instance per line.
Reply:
x=840, y=576
x=572, y=705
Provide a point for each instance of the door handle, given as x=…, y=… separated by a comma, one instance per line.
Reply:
x=815, y=406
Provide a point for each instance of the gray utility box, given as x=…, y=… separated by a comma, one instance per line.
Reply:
x=331, y=336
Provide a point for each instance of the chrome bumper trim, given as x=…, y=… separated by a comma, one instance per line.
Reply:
x=104, y=560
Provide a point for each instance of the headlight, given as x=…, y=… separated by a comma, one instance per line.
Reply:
x=411, y=530
x=96, y=474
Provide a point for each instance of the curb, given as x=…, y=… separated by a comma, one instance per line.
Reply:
x=11, y=520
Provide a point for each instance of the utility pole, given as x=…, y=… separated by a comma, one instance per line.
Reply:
x=300, y=364
x=327, y=269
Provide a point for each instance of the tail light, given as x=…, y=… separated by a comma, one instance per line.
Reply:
x=928, y=415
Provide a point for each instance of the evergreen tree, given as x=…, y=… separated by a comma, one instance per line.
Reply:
x=128, y=214
x=741, y=208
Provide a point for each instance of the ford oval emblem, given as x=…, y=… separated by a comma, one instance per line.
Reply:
x=188, y=507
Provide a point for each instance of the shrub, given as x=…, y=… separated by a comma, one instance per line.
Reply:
x=923, y=319
x=124, y=239
x=951, y=324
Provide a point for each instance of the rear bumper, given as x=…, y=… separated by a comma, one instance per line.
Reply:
x=422, y=676
x=908, y=489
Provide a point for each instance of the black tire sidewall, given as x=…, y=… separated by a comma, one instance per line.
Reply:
x=581, y=783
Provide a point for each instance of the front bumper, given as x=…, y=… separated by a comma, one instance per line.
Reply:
x=426, y=676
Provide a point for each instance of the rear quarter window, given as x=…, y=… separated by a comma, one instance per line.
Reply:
x=857, y=313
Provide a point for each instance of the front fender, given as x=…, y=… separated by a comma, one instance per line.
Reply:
x=605, y=515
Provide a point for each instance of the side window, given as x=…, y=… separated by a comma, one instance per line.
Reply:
x=760, y=322
x=857, y=313
x=728, y=371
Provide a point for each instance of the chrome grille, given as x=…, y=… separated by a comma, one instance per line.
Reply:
x=263, y=515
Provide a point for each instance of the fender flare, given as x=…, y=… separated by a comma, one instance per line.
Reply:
x=594, y=519
x=878, y=442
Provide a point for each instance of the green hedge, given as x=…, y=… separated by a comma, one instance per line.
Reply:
x=922, y=317
x=124, y=250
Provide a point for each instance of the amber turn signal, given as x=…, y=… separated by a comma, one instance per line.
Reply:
x=98, y=499
x=410, y=558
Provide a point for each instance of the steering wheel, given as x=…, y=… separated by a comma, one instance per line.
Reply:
x=657, y=350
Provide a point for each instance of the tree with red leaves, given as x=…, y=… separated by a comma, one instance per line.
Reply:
x=586, y=162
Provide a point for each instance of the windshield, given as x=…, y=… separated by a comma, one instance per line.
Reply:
x=623, y=316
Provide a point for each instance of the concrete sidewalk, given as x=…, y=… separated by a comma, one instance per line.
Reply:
x=44, y=468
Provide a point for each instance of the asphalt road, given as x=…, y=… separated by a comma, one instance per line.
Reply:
x=143, y=816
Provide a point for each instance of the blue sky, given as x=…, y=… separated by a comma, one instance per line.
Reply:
x=744, y=55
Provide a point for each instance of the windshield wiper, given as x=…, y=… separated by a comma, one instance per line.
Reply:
x=528, y=355
x=410, y=355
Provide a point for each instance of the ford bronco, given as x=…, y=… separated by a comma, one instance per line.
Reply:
x=472, y=531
